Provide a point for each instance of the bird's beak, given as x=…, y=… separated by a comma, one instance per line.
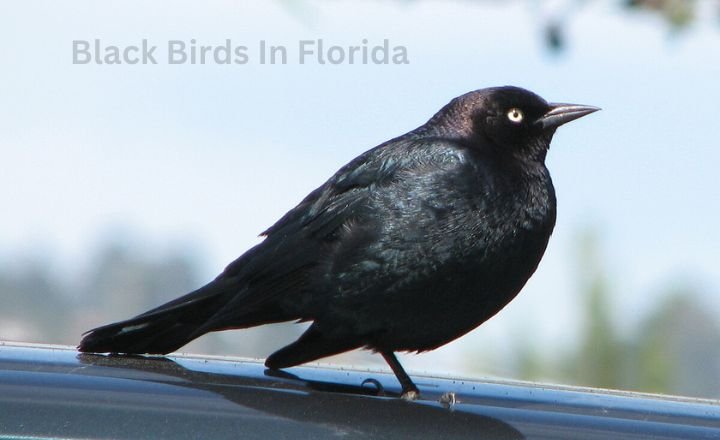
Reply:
x=559, y=114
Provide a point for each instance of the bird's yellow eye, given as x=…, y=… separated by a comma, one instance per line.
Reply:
x=515, y=115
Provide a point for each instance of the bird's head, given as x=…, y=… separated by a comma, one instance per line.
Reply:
x=508, y=119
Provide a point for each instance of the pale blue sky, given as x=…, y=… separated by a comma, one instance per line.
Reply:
x=210, y=155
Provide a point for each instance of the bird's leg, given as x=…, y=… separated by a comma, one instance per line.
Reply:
x=409, y=390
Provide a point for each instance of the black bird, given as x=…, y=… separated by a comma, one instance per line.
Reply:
x=409, y=246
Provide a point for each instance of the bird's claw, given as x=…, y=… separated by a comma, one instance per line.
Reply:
x=410, y=395
x=448, y=400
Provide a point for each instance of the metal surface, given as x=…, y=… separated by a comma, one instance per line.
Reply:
x=55, y=392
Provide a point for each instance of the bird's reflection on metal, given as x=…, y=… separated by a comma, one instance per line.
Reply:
x=57, y=392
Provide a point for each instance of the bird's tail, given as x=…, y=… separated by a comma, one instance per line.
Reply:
x=161, y=330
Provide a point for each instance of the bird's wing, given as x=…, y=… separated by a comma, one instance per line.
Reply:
x=332, y=202
x=306, y=237
x=297, y=240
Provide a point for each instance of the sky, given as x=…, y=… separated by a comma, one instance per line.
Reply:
x=206, y=156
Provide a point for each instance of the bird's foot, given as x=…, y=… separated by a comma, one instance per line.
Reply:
x=448, y=400
x=410, y=395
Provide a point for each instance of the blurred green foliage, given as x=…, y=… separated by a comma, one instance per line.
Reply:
x=675, y=349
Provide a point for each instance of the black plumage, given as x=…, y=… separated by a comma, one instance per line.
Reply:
x=407, y=247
